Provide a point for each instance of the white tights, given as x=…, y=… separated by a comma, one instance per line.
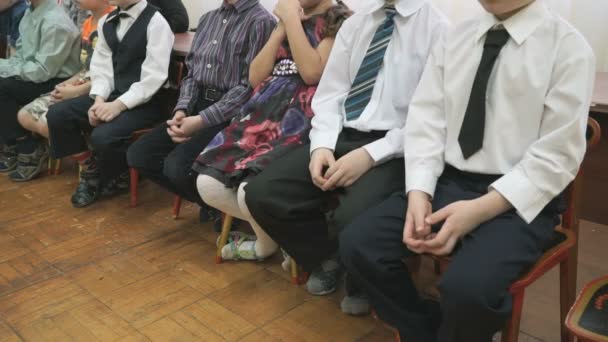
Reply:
x=232, y=202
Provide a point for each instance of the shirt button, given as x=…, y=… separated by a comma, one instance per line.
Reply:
x=215, y=42
x=208, y=66
x=224, y=21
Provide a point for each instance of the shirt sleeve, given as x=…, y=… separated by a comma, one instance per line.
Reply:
x=188, y=85
x=328, y=102
x=226, y=108
x=176, y=15
x=425, y=127
x=155, y=68
x=101, y=68
x=56, y=45
x=552, y=162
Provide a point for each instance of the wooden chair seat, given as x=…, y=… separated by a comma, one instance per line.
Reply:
x=588, y=317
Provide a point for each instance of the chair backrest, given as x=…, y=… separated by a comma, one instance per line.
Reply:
x=573, y=193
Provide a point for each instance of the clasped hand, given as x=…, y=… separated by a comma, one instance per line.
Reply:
x=102, y=111
x=181, y=127
x=340, y=173
x=458, y=219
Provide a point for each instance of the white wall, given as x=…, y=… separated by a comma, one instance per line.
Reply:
x=589, y=16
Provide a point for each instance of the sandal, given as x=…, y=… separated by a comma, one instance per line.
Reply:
x=235, y=240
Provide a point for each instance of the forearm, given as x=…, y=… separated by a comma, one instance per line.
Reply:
x=84, y=89
x=261, y=67
x=307, y=58
x=492, y=205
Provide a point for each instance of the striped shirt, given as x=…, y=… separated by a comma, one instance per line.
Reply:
x=226, y=42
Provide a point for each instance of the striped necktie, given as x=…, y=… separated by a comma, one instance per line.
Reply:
x=363, y=86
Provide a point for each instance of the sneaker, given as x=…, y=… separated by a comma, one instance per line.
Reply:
x=116, y=186
x=30, y=165
x=8, y=158
x=355, y=301
x=87, y=191
x=324, y=279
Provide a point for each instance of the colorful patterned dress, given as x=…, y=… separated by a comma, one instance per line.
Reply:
x=274, y=121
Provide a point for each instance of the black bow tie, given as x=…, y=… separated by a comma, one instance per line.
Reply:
x=123, y=15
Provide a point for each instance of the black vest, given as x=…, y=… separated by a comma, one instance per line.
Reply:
x=129, y=54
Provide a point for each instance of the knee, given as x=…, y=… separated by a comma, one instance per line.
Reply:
x=25, y=120
x=136, y=156
x=99, y=140
x=205, y=187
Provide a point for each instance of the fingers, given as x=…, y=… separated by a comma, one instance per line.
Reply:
x=422, y=228
x=447, y=248
x=333, y=180
x=445, y=234
x=315, y=173
x=179, y=140
x=439, y=216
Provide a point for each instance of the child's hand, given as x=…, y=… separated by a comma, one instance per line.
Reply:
x=287, y=9
x=64, y=92
x=320, y=159
x=108, y=111
x=187, y=128
x=462, y=217
x=177, y=118
x=416, y=229
x=93, y=118
x=348, y=169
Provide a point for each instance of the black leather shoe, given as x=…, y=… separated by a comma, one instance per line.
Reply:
x=87, y=191
x=116, y=186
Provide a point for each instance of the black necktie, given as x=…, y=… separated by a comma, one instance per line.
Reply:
x=472, y=130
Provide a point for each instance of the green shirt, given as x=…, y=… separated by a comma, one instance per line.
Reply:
x=49, y=46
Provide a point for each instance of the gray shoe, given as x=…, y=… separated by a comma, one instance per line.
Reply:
x=8, y=158
x=30, y=165
x=323, y=280
x=355, y=301
x=355, y=305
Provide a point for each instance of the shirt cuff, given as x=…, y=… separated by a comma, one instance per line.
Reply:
x=421, y=179
x=100, y=90
x=380, y=151
x=130, y=100
x=211, y=115
x=323, y=140
x=182, y=104
x=522, y=193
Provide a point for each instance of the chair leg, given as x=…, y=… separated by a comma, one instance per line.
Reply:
x=49, y=168
x=567, y=289
x=134, y=174
x=511, y=331
x=294, y=273
x=177, y=205
x=57, y=167
x=226, y=225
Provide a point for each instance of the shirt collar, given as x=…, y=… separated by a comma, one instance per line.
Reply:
x=520, y=26
x=42, y=8
x=135, y=10
x=240, y=5
x=405, y=8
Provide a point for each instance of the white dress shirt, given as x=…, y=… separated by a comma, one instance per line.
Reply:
x=154, y=70
x=418, y=25
x=537, y=106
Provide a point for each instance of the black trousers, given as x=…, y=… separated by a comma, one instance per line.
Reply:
x=69, y=125
x=475, y=302
x=291, y=209
x=14, y=94
x=168, y=164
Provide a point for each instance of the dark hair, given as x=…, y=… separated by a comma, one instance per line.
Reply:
x=334, y=17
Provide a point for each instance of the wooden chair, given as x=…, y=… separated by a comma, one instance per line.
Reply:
x=297, y=277
x=588, y=317
x=565, y=254
x=176, y=74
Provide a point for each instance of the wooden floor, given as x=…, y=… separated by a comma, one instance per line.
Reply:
x=113, y=273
